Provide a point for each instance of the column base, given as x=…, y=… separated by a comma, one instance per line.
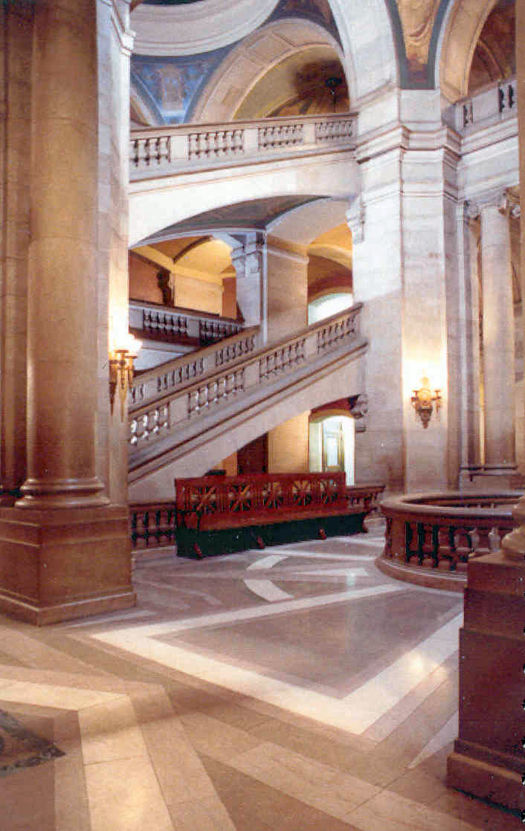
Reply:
x=488, y=756
x=64, y=564
x=485, y=780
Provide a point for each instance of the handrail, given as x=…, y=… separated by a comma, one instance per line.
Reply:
x=179, y=373
x=189, y=399
x=152, y=524
x=443, y=531
x=157, y=150
x=171, y=323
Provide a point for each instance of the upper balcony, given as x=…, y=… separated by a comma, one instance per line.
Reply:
x=157, y=151
x=490, y=106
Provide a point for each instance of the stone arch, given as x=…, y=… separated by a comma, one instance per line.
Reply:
x=248, y=62
x=461, y=28
x=368, y=44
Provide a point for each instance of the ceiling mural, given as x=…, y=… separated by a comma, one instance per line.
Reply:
x=170, y=85
x=417, y=21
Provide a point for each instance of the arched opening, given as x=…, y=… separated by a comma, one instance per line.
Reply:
x=332, y=443
x=477, y=46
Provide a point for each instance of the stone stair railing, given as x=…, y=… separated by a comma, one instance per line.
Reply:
x=186, y=396
x=174, y=376
x=156, y=151
x=151, y=320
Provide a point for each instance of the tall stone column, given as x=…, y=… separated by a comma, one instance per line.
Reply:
x=498, y=337
x=62, y=305
x=64, y=552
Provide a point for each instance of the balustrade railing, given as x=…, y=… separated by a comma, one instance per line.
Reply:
x=179, y=392
x=155, y=150
x=172, y=324
x=486, y=107
x=181, y=372
x=439, y=533
x=152, y=524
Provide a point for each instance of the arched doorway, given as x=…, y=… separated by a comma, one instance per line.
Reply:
x=332, y=445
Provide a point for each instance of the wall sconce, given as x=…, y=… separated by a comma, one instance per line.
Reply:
x=121, y=371
x=423, y=401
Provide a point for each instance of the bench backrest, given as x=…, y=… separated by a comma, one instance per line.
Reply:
x=256, y=495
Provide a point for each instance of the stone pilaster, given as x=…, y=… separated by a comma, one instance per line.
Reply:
x=498, y=337
x=249, y=261
x=287, y=276
x=470, y=343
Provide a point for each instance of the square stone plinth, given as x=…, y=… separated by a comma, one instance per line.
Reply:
x=488, y=758
x=67, y=563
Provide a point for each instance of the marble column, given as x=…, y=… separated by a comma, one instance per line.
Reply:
x=64, y=550
x=62, y=306
x=498, y=337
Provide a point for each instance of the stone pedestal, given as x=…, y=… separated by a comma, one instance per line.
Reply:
x=488, y=758
x=62, y=564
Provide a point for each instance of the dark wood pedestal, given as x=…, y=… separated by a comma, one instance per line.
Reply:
x=488, y=758
x=61, y=564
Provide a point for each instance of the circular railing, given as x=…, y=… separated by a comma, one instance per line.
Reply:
x=430, y=538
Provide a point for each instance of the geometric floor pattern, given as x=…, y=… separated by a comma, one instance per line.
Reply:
x=296, y=688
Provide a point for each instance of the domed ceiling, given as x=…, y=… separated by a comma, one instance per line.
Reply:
x=177, y=49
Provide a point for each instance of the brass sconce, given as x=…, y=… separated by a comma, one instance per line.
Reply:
x=121, y=371
x=423, y=401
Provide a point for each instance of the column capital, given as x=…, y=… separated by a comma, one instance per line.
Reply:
x=355, y=217
x=501, y=198
x=471, y=210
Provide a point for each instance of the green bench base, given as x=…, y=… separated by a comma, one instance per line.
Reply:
x=198, y=544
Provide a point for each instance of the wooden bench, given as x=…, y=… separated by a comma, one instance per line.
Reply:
x=223, y=514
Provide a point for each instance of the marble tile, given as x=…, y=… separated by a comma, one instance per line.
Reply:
x=314, y=783
x=70, y=795
x=124, y=795
x=267, y=590
x=49, y=696
x=109, y=731
x=259, y=807
x=216, y=739
x=389, y=810
x=204, y=815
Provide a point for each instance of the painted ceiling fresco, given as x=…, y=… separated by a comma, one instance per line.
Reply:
x=417, y=21
x=171, y=86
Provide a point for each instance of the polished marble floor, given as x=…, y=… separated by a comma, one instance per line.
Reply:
x=295, y=688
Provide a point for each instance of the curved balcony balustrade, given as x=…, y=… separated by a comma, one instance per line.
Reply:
x=430, y=538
